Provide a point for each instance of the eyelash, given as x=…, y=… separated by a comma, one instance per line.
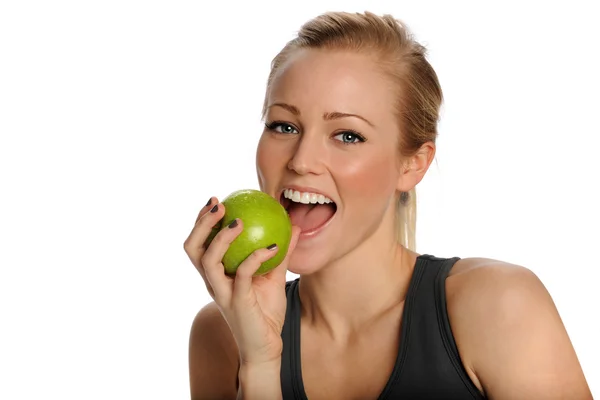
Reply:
x=275, y=124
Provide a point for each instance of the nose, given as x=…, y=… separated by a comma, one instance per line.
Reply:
x=308, y=156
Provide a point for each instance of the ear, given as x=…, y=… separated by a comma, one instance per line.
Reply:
x=413, y=168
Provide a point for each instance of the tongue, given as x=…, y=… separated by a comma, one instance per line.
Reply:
x=310, y=216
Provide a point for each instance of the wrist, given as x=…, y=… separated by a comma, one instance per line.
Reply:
x=267, y=365
x=266, y=356
x=260, y=380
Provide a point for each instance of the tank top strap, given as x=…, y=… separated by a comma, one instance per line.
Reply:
x=291, y=369
x=431, y=363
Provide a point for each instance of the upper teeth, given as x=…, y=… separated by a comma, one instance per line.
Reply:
x=305, y=197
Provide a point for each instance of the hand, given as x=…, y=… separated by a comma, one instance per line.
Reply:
x=254, y=307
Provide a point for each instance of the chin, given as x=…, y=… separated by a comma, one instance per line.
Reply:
x=302, y=263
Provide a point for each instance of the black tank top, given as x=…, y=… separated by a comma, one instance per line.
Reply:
x=428, y=365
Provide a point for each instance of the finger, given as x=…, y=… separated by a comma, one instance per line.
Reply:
x=279, y=273
x=245, y=272
x=194, y=244
x=213, y=267
x=195, y=255
x=206, y=208
x=209, y=288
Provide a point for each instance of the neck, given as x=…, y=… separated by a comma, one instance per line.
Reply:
x=353, y=291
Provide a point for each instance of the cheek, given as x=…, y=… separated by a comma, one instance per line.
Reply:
x=366, y=180
x=269, y=161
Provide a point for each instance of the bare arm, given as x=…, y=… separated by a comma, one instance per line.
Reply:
x=215, y=371
x=511, y=336
x=213, y=357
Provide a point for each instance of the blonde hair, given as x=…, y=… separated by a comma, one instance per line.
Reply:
x=403, y=60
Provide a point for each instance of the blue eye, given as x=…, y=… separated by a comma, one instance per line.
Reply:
x=350, y=137
x=281, y=127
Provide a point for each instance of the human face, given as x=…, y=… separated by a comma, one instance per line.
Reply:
x=310, y=144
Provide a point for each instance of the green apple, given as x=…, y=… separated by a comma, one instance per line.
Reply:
x=265, y=222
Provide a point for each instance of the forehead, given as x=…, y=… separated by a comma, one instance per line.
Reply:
x=326, y=80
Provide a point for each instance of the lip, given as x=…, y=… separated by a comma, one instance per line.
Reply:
x=317, y=230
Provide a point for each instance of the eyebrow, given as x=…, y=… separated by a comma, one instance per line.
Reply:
x=328, y=116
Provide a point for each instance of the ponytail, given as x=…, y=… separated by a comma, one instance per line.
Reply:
x=406, y=219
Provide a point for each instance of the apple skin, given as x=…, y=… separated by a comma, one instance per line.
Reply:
x=265, y=222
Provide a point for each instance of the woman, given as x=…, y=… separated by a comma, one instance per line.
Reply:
x=350, y=113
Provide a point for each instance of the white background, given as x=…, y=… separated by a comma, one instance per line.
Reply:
x=119, y=119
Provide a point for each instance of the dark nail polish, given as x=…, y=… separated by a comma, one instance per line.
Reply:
x=209, y=201
x=214, y=209
x=272, y=247
x=233, y=224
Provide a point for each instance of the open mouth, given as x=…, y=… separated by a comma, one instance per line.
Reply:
x=309, y=211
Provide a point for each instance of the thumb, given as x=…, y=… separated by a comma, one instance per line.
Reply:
x=293, y=242
x=281, y=269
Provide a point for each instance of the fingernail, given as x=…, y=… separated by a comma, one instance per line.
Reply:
x=214, y=209
x=209, y=201
x=233, y=224
x=272, y=247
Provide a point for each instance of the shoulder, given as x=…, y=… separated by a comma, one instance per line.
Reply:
x=209, y=324
x=213, y=356
x=485, y=291
x=509, y=333
x=496, y=281
x=491, y=296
